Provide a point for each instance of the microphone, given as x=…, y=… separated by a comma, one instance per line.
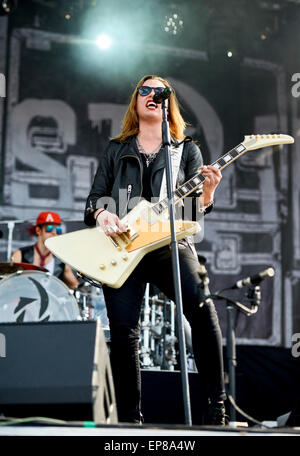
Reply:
x=163, y=95
x=255, y=279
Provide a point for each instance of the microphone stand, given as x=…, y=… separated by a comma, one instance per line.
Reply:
x=166, y=140
x=232, y=306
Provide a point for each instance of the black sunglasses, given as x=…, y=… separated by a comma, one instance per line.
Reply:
x=145, y=90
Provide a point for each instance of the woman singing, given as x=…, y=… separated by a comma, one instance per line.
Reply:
x=134, y=163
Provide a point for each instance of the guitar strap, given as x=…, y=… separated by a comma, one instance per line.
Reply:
x=175, y=153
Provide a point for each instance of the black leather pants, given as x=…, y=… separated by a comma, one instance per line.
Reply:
x=124, y=307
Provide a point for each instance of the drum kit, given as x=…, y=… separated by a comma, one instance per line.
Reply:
x=29, y=293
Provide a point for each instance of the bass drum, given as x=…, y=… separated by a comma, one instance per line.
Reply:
x=36, y=296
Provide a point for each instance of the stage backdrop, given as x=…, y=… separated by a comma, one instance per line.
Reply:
x=65, y=98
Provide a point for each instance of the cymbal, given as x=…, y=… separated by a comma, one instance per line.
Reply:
x=11, y=268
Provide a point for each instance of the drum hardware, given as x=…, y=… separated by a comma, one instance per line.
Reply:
x=91, y=303
x=157, y=345
x=159, y=342
x=145, y=351
x=86, y=310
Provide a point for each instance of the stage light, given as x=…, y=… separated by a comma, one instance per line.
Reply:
x=103, y=41
x=8, y=6
x=173, y=24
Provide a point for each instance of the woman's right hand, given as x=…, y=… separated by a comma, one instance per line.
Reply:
x=110, y=223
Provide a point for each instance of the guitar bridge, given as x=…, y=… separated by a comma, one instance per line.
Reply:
x=124, y=238
x=133, y=237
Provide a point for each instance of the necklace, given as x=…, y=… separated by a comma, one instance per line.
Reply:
x=149, y=157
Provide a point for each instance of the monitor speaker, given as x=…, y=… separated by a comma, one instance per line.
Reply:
x=57, y=370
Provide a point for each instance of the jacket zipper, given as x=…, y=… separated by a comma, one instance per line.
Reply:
x=129, y=189
x=141, y=175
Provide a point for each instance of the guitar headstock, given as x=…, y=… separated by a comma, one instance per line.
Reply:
x=253, y=142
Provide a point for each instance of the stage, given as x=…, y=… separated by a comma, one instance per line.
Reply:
x=125, y=432
x=67, y=71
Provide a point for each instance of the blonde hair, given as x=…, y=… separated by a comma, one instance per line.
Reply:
x=130, y=124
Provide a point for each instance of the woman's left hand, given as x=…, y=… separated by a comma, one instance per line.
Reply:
x=213, y=177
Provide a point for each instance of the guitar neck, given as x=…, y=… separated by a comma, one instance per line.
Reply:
x=192, y=184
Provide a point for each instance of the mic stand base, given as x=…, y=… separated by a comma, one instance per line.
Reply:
x=231, y=356
x=232, y=307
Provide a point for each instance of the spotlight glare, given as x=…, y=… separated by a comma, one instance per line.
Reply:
x=8, y=6
x=173, y=24
x=103, y=41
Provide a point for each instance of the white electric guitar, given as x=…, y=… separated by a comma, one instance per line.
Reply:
x=110, y=260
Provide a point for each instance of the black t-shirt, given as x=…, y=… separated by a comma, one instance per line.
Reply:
x=147, y=170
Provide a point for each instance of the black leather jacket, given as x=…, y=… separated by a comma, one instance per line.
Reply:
x=121, y=168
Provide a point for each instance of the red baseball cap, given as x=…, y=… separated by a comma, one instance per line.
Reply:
x=48, y=217
x=43, y=218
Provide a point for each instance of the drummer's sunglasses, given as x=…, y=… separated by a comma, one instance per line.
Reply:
x=50, y=228
x=145, y=90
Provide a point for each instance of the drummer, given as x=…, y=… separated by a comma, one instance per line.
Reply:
x=48, y=224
